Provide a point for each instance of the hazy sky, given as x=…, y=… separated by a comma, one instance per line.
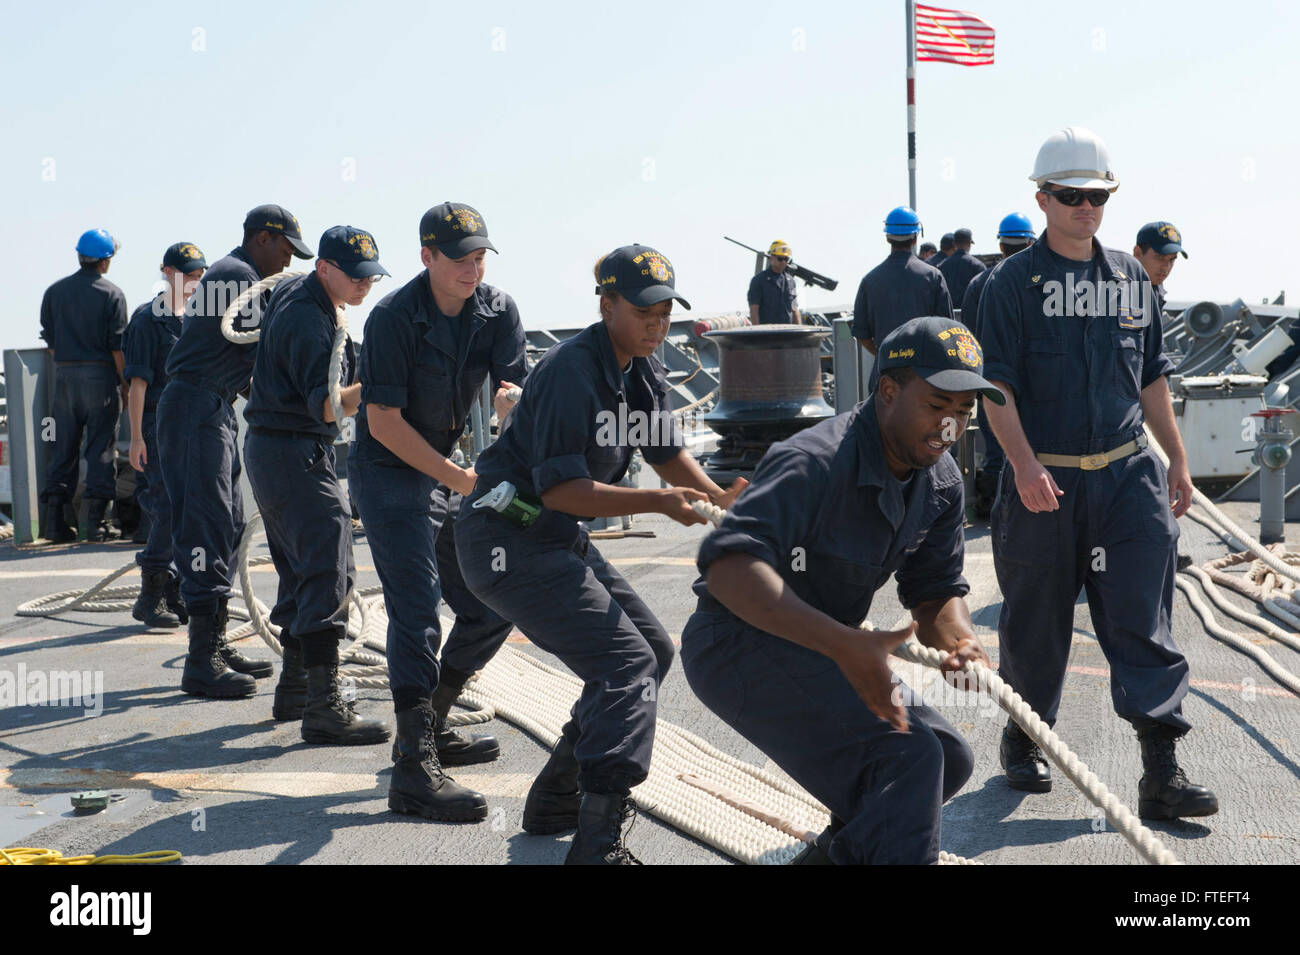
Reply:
x=575, y=128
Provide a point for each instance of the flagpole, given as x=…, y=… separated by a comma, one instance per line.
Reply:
x=910, y=14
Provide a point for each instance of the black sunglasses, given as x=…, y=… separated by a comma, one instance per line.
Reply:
x=1073, y=197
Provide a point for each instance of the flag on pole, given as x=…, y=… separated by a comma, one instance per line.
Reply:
x=952, y=36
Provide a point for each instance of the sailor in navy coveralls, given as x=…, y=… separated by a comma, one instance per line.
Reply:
x=589, y=403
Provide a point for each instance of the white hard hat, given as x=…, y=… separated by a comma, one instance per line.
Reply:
x=1076, y=157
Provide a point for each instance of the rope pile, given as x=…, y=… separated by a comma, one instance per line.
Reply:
x=1271, y=582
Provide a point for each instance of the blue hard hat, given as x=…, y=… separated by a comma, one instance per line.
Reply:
x=1015, y=226
x=902, y=221
x=96, y=244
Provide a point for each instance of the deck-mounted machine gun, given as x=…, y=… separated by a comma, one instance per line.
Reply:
x=807, y=276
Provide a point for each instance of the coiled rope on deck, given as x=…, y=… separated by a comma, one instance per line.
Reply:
x=1148, y=846
x=1266, y=585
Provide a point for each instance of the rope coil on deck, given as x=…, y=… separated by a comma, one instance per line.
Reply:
x=1265, y=585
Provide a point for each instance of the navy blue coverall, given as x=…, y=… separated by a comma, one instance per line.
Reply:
x=198, y=432
x=1077, y=342
x=896, y=291
x=150, y=336
x=775, y=295
x=828, y=515
x=83, y=317
x=289, y=452
x=431, y=366
x=994, y=456
x=549, y=578
x=958, y=270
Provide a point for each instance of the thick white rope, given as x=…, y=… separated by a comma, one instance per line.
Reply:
x=1251, y=544
x=1139, y=836
x=1270, y=666
x=249, y=307
x=335, y=379
x=1148, y=846
x=1223, y=526
x=1209, y=575
x=251, y=300
x=52, y=604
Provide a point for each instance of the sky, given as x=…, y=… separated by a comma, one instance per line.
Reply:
x=578, y=127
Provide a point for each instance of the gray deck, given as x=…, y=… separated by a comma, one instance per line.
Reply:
x=222, y=782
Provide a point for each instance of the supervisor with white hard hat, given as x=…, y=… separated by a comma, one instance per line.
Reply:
x=1072, y=336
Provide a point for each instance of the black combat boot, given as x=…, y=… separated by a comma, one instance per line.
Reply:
x=151, y=606
x=1164, y=791
x=257, y=669
x=206, y=673
x=94, y=527
x=457, y=749
x=554, y=799
x=599, y=840
x=57, y=529
x=818, y=852
x=291, y=690
x=1026, y=767
x=332, y=720
x=419, y=786
x=173, y=597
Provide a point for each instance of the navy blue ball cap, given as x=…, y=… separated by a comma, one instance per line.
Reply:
x=1161, y=237
x=275, y=218
x=943, y=352
x=640, y=274
x=353, y=250
x=454, y=229
x=184, y=257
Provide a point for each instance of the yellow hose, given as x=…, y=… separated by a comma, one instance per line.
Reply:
x=26, y=855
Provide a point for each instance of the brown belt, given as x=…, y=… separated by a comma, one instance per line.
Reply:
x=1094, y=462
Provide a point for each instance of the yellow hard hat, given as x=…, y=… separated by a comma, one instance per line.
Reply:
x=779, y=248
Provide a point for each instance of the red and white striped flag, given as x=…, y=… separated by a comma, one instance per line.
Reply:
x=952, y=36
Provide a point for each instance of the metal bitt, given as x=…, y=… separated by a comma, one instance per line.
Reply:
x=1272, y=454
x=770, y=386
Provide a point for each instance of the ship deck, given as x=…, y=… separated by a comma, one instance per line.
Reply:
x=222, y=782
